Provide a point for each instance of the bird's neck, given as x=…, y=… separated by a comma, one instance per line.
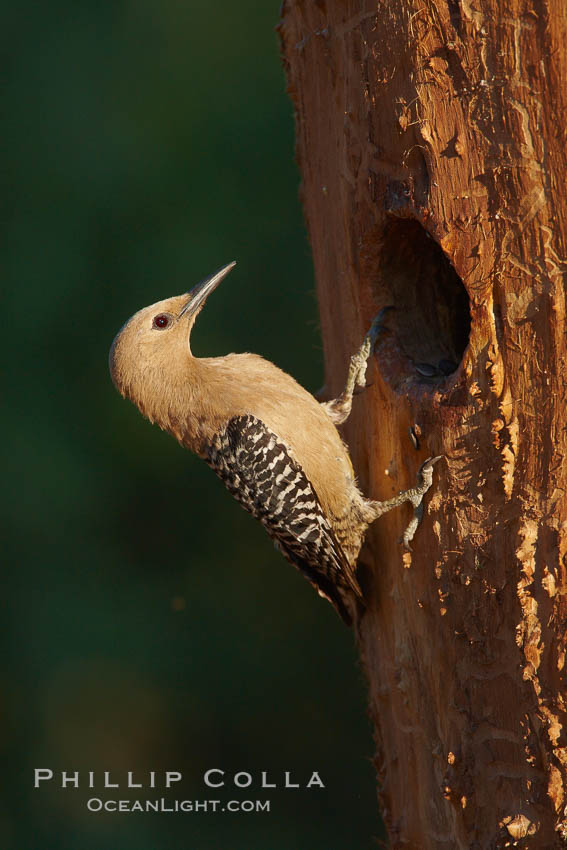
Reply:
x=190, y=399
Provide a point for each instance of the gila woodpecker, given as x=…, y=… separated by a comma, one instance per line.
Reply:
x=273, y=445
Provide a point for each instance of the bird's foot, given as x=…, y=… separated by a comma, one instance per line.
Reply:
x=339, y=408
x=359, y=361
x=414, y=495
x=377, y=327
x=417, y=493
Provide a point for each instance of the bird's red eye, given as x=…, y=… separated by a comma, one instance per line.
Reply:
x=161, y=321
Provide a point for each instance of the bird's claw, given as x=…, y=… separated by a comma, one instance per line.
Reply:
x=376, y=327
x=425, y=471
x=425, y=480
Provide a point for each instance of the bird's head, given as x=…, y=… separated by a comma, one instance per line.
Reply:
x=156, y=339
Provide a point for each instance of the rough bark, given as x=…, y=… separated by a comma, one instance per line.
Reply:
x=432, y=144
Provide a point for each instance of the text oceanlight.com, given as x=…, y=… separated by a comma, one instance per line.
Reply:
x=187, y=806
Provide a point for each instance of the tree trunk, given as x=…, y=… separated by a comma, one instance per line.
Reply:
x=432, y=144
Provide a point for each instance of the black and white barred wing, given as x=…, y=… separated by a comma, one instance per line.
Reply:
x=260, y=473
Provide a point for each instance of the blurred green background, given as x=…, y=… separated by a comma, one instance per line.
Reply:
x=149, y=623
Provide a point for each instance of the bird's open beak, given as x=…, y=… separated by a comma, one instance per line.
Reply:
x=201, y=292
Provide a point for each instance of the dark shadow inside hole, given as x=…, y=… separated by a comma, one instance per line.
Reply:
x=432, y=317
